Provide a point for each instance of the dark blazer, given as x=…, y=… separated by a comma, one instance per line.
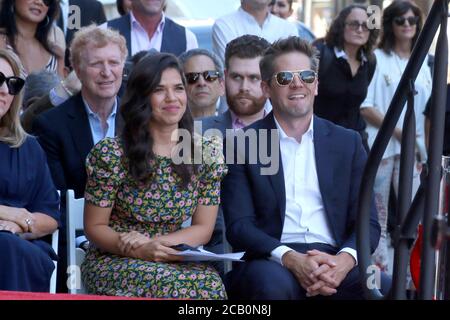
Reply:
x=220, y=122
x=173, y=38
x=65, y=135
x=254, y=205
x=39, y=106
x=91, y=12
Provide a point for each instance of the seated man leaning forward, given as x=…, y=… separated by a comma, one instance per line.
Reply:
x=295, y=222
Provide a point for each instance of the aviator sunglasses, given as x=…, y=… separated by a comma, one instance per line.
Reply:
x=400, y=21
x=14, y=84
x=210, y=76
x=285, y=78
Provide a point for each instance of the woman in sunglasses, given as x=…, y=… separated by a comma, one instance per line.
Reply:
x=402, y=23
x=27, y=28
x=347, y=64
x=137, y=196
x=29, y=202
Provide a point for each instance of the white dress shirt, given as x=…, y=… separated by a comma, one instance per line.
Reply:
x=305, y=218
x=140, y=40
x=241, y=22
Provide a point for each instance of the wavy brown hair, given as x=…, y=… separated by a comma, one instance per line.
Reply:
x=136, y=111
x=397, y=9
x=335, y=35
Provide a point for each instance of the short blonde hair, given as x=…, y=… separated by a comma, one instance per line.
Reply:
x=98, y=37
x=14, y=135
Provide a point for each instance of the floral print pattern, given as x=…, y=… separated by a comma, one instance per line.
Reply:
x=153, y=209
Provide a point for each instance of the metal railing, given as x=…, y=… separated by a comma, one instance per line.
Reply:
x=425, y=204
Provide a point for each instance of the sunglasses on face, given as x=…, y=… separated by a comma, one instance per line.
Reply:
x=47, y=3
x=355, y=25
x=285, y=78
x=210, y=76
x=14, y=84
x=400, y=21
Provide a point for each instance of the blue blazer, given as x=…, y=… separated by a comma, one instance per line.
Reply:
x=254, y=205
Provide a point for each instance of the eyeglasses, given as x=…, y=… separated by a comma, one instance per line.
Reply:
x=355, y=25
x=400, y=21
x=210, y=76
x=14, y=84
x=285, y=78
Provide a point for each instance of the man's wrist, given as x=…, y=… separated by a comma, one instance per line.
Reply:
x=347, y=259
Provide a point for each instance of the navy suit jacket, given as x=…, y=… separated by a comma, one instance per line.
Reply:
x=254, y=205
x=65, y=135
x=221, y=122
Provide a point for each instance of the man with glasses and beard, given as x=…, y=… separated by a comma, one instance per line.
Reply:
x=297, y=226
x=245, y=101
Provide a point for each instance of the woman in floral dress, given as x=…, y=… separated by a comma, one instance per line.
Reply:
x=137, y=197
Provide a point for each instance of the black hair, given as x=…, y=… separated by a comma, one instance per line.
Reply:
x=136, y=111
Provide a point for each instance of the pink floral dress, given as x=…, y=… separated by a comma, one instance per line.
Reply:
x=153, y=209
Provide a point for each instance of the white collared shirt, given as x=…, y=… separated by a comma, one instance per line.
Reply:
x=241, y=22
x=140, y=40
x=305, y=217
x=339, y=53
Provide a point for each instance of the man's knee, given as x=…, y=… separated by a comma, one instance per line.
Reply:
x=263, y=280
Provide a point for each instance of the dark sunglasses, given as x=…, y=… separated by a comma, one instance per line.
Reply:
x=285, y=78
x=14, y=84
x=400, y=21
x=47, y=3
x=210, y=76
x=355, y=25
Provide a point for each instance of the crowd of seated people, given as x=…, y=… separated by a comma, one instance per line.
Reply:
x=118, y=122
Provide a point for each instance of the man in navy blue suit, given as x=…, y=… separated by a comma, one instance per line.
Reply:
x=297, y=226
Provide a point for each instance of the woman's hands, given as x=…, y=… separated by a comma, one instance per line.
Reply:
x=10, y=226
x=20, y=216
x=129, y=241
x=137, y=245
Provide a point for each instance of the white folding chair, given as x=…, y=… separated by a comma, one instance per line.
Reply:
x=75, y=256
x=55, y=238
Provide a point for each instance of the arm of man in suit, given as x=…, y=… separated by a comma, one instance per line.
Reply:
x=48, y=139
x=359, y=161
x=333, y=277
x=240, y=216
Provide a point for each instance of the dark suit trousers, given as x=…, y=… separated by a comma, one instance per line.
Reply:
x=264, y=279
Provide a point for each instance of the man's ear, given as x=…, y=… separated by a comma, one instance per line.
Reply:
x=265, y=87
x=222, y=86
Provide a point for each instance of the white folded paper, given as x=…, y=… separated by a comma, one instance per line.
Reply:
x=203, y=255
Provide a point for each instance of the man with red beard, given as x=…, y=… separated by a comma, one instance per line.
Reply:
x=243, y=91
x=245, y=100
